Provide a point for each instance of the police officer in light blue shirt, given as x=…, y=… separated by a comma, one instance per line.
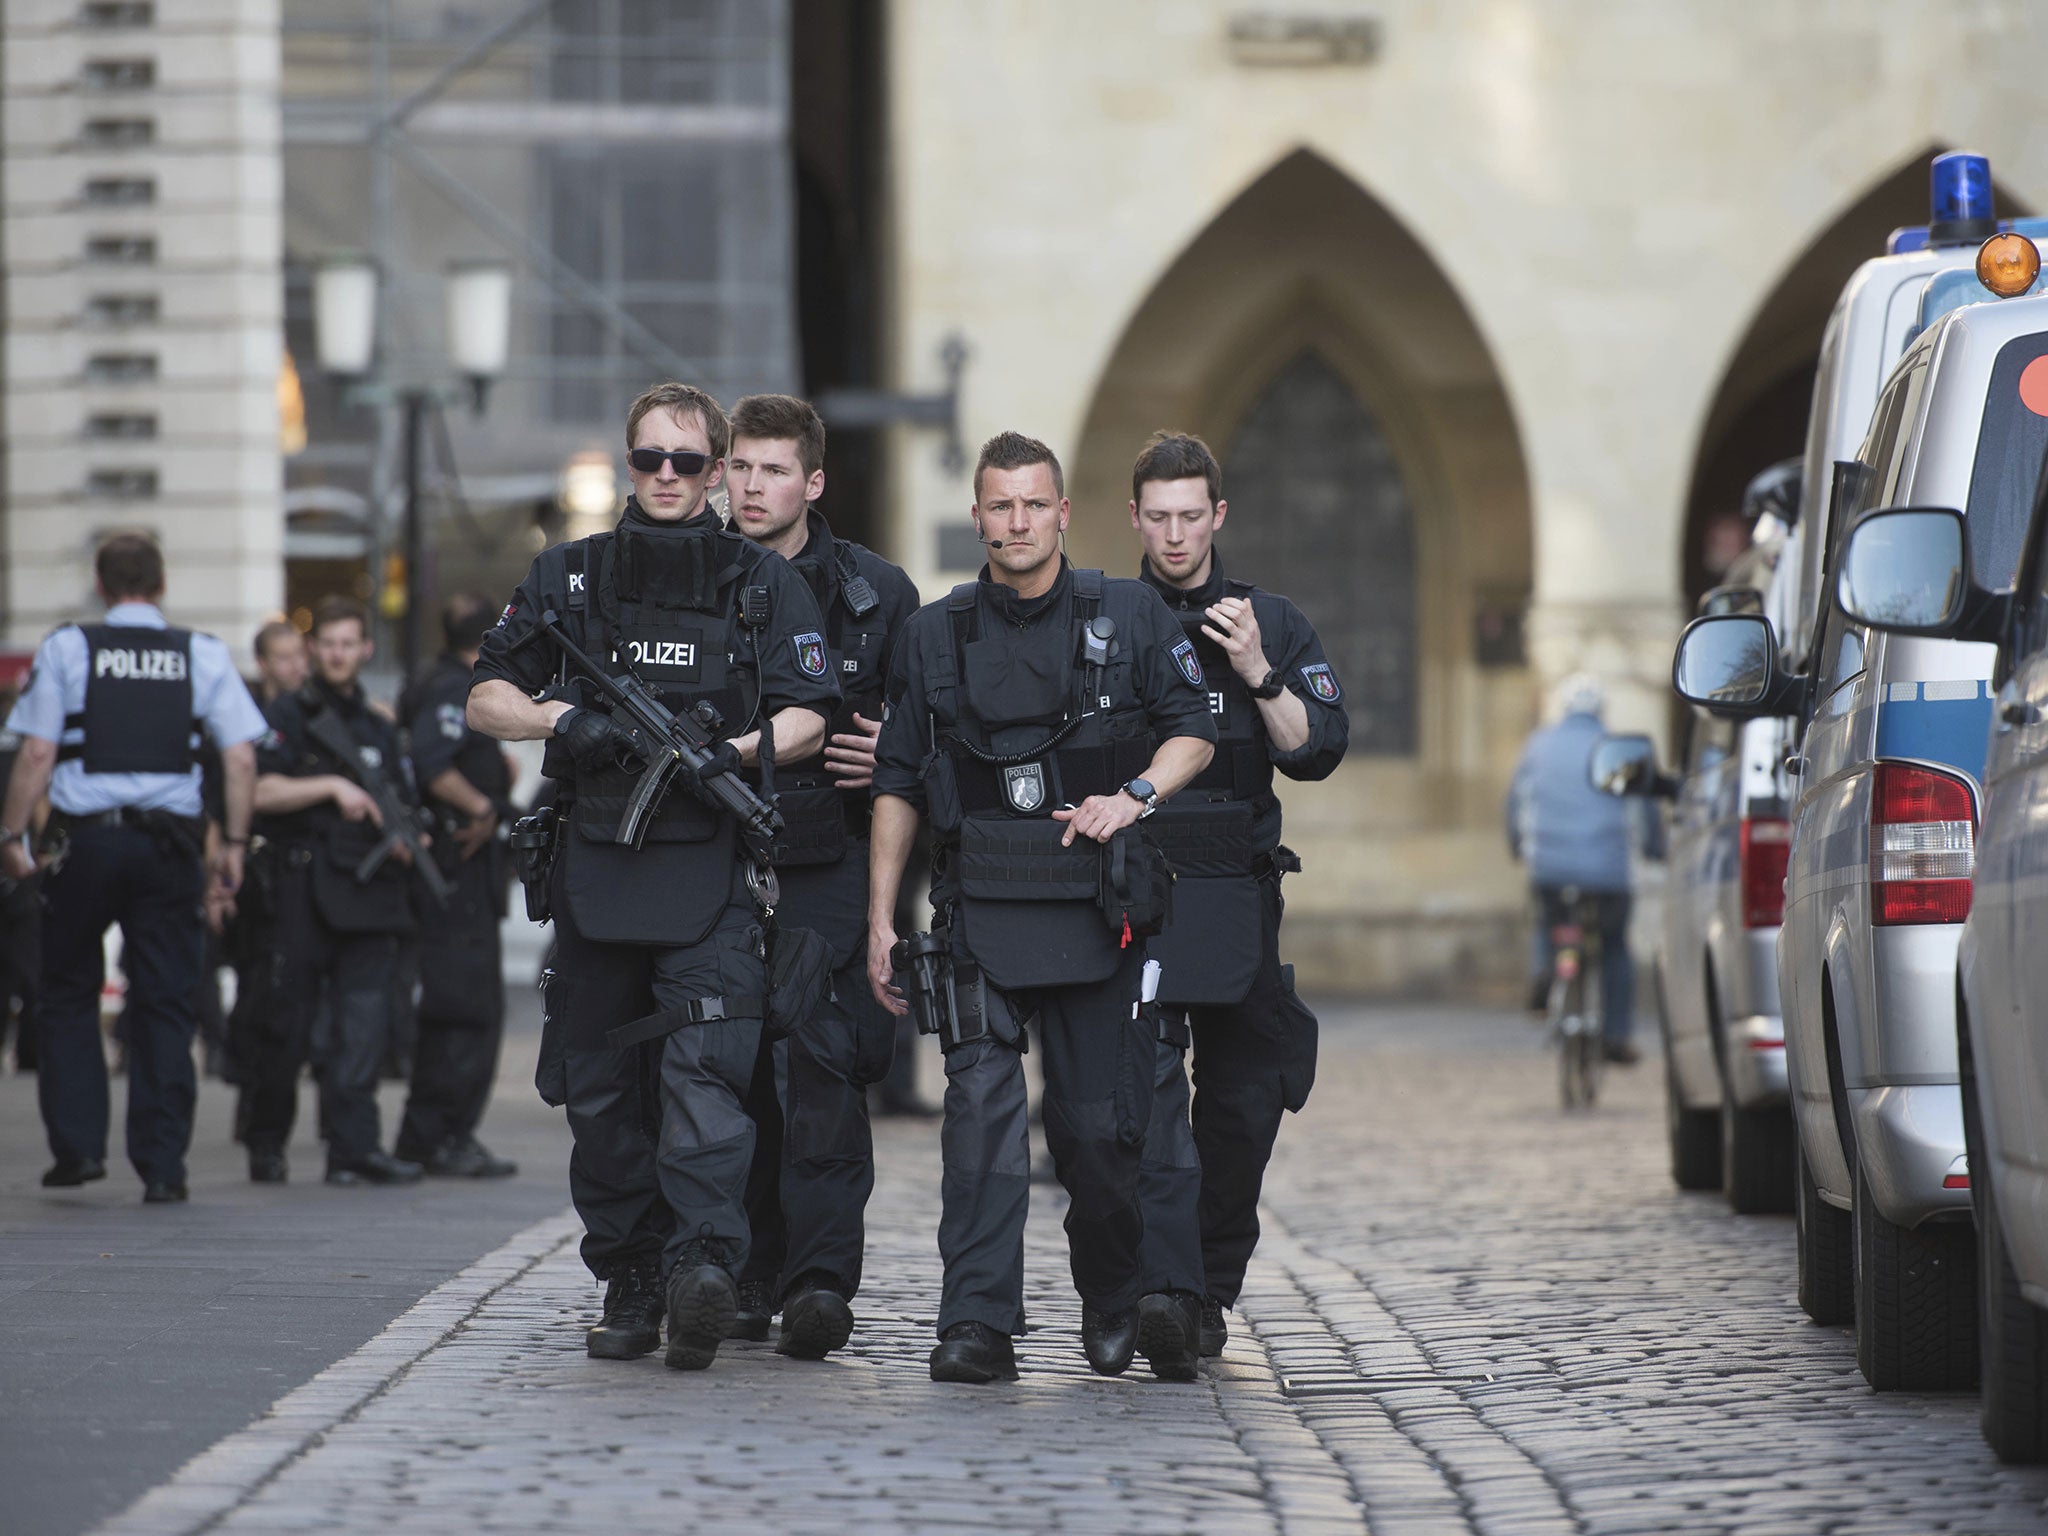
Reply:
x=109, y=724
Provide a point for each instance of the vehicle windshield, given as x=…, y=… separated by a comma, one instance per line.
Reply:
x=2012, y=445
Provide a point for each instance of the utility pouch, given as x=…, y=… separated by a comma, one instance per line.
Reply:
x=1030, y=910
x=799, y=976
x=813, y=826
x=551, y=1072
x=1137, y=885
x=941, y=775
x=1205, y=841
x=532, y=841
x=379, y=904
x=1298, y=1075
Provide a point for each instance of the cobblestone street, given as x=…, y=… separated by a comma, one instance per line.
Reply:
x=1469, y=1313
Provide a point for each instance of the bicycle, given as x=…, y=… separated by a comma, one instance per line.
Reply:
x=1573, y=1012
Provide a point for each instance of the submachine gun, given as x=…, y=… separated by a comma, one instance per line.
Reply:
x=670, y=743
x=401, y=824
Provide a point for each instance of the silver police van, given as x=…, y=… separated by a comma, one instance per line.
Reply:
x=1727, y=1120
x=1924, y=571
x=1888, y=772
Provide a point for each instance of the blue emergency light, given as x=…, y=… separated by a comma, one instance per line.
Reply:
x=1959, y=190
x=1960, y=208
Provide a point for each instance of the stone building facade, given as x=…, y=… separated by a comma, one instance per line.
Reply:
x=1566, y=260
x=140, y=197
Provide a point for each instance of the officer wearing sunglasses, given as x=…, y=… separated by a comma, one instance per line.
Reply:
x=655, y=998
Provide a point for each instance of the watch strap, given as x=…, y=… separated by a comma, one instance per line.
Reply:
x=1271, y=686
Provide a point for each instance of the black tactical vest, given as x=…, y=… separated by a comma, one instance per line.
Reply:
x=1212, y=826
x=671, y=606
x=818, y=817
x=1038, y=724
x=138, y=701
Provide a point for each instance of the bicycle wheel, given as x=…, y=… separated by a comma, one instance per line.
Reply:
x=1568, y=1022
x=1587, y=1061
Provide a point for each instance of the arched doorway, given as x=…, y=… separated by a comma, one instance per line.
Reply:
x=1759, y=412
x=1375, y=476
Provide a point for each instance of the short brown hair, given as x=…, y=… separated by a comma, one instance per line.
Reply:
x=339, y=609
x=683, y=400
x=276, y=629
x=1013, y=450
x=783, y=418
x=1177, y=456
x=129, y=565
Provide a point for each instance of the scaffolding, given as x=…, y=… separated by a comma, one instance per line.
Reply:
x=631, y=158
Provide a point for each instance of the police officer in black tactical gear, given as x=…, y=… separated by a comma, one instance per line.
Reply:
x=814, y=1154
x=110, y=723
x=657, y=994
x=1278, y=707
x=1037, y=715
x=342, y=899
x=466, y=784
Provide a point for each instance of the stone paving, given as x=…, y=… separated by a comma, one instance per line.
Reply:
x=1470, y=1313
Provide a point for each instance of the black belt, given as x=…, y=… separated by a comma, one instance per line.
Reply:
x=131, y=816
x=698, y=1010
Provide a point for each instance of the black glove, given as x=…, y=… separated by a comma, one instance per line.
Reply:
x=597, y=741
x=723, y=758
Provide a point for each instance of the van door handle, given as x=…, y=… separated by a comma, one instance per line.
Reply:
x=2018, y=712
x=1795, y=763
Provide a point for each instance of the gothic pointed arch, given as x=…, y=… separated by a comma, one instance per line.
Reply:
x=1370, y=456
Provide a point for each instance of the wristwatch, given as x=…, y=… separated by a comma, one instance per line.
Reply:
x=1141, y=790
x=1273, y=685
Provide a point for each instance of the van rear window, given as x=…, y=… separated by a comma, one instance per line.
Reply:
x=2012, y=445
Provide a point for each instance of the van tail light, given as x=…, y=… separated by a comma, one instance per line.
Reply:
x=1766, y=840
x=1923, y=846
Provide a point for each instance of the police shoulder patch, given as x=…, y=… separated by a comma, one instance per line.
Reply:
x=810, y=653
x=1189, y=663
x=1322, y=682
x=452, y=720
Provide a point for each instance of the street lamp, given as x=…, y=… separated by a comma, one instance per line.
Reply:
x=479, y=319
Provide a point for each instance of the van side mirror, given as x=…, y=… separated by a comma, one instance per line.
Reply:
x=1728, y=664
x=1906, y=570
x=1731, y=600
x=1627, y=765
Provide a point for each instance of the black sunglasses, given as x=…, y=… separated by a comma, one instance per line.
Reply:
x=687, y=461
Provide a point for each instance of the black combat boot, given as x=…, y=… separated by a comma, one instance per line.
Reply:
x=465, y=1157
x=1215, y=1332
x=267, y=1166
x=1109, y=1338
x=631, y=1325
x=974, y=1353
x=703, y=1306
x=755, y=1312
x=815, y=1318
x=1169, y=1332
